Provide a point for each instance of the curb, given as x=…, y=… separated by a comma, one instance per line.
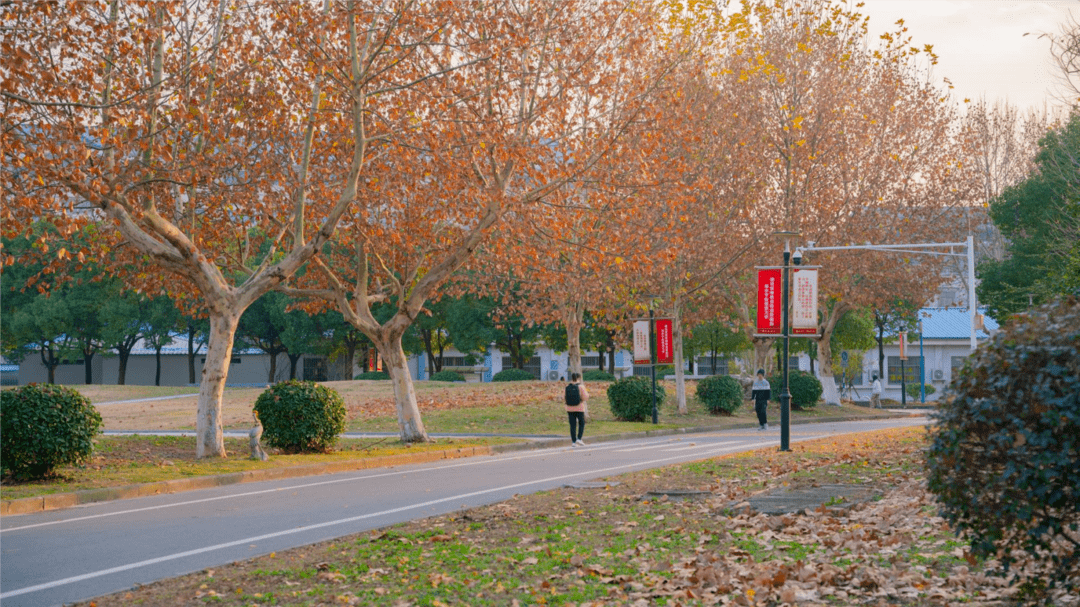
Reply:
x=57, y=501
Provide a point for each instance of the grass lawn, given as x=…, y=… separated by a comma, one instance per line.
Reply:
x=500, y=408
x=129, y=460
x=616, y=546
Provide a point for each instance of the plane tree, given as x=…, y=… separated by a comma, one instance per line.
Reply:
x=193, y=133
x=495, y=139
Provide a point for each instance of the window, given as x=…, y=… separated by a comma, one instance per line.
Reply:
x=454, y=361
x=912, y=367
x=315, y=369
x=590, y=361
x=705, y=365
x=532, y=365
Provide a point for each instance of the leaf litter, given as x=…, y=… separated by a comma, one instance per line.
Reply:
x=607, y=546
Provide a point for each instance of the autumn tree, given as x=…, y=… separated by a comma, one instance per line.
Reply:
x=510, y=127
x=197, y=132
x=860, y=148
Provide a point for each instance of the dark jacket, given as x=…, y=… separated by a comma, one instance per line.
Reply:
x=761, y=391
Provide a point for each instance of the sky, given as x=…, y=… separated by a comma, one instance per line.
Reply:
x=981, y=45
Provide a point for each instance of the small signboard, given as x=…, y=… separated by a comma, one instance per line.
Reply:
x=641, y=343
x=804, y=313
x=665, y=354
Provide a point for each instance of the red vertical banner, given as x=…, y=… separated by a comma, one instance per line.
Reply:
x=903, y=345
x=665, y=348
x=768, y=302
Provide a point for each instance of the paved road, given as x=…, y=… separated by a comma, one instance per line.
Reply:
x=76, y=554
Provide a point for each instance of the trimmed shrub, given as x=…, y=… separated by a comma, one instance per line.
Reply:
x=447, y=376
x=373, y=375
x=44, y=426
x=1004, y=461
x=301, y=416
x=805, y=389
x=720, y=393
x=630, y=398
x=597, y=375
x=513, y=375
x=913, y=390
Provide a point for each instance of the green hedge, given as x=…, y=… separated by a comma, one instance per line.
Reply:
x=513, y=375
x=1004, y=461
x=300, y=417
x=597, y=375
x=913, y=390
x=447, y=376
x=373, y=375
x=44, y=426
x=630, y=398
x=720, y=393
x=805, y=389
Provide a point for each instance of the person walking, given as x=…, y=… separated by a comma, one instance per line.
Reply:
x=875, y=393
x=761, y=392
x=577, y=403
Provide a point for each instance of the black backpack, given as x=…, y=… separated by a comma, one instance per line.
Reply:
x=573, y=395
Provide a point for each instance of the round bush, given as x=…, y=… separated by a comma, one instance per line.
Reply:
x=913, y=390
x=1004, y=461
x=44, y=426
x=513, y=375
x=630, y=398
x=447, y=376
x=300, y=417
x=805, y=389
x=597, y=375
x=720, y=393
x=373, y=375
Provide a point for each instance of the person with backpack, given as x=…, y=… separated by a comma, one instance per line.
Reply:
x=577, y=398
x=760, y=392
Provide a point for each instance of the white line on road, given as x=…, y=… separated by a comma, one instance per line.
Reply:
x=704, y=446
x=470, y=462
x=259, y=538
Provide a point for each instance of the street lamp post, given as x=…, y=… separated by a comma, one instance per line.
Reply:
x=652, y=359
x=785, y=394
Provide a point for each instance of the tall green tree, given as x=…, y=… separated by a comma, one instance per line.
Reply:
x=1040, y=219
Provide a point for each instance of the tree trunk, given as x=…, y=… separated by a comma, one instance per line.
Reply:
x=157, y=370
x=292, y=364
x=273, y=368
x=208, y=437
x=396, y=364
x=88, y=368
x=611, y=353
x=50, y=364
x=430, y=352
x=121, y=372
x=762, y=354
x=191, y=355
x=573, y=320
x=680, y=376
x=350, y=360
x=830, y=392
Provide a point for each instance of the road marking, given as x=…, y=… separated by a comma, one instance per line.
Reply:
x=470, y=462
x=705, y=446
x=267, y=536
